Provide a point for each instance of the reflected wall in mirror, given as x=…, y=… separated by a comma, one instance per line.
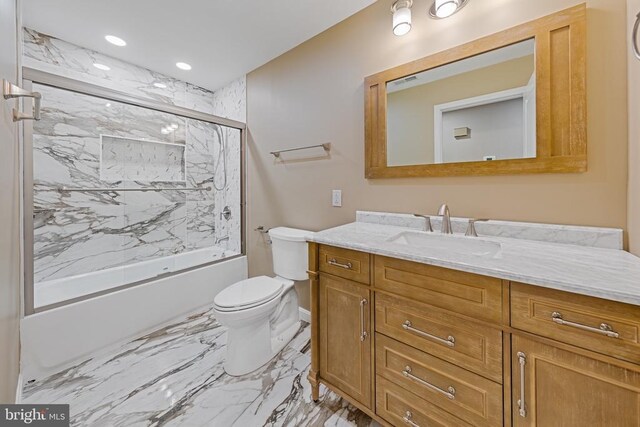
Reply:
x=477, y=109
x=512, y=102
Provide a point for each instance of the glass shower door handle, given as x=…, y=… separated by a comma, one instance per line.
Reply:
x=11, y=91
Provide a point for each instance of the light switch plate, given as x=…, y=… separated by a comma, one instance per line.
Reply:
x=336, y=198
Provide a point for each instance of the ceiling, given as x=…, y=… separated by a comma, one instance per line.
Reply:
x=221, y=39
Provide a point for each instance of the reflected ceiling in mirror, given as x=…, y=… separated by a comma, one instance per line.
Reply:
x=481, y=108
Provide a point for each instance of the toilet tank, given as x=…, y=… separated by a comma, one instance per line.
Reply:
x=290, y=252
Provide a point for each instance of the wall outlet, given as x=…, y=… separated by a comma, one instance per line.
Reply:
x=336, y=198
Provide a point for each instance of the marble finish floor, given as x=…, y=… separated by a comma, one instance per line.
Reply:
x=174, y=377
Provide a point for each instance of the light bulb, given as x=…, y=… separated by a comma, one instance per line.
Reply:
x=446, y=8
x=401, y=18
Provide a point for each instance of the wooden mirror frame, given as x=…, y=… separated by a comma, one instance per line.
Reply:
x=561, y=101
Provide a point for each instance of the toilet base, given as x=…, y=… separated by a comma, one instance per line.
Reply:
x=252, y=343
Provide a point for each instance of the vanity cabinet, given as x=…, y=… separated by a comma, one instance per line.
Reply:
x=419, y=345
x=345, y=341
x=555, y=387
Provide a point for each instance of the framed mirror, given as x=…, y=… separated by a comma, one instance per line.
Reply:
x=510, y=103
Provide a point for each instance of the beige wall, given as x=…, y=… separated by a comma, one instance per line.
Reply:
x=633, y=7
x=410, y=112
x=9, y=232
x=314, y=94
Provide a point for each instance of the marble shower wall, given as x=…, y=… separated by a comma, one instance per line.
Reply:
x=81, y=232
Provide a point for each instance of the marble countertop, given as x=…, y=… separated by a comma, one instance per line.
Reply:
x=611, y=274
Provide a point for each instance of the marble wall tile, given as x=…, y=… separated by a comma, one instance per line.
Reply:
x=75, y=145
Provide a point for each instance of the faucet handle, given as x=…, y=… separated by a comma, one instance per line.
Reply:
x=427, y=225
x=471, y=228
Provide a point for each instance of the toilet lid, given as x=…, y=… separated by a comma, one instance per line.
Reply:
x=249, y=292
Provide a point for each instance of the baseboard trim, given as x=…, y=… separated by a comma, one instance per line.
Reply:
x=305, y=315
x=19, y=389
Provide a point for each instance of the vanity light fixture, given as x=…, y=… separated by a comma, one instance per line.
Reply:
x=115, y=40
x=401, y=10
x=101, y=66
x=183, y=66
x=441, y=9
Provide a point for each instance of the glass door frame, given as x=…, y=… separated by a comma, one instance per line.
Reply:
x=31, y=76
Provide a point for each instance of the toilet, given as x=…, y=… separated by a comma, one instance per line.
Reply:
x=261, y=313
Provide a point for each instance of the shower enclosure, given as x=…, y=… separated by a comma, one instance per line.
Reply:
x=120, y=190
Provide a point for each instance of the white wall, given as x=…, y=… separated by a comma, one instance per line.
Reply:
x=497, y=129
x=9, y=213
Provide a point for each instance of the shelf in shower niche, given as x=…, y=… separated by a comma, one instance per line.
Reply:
x=143, y=160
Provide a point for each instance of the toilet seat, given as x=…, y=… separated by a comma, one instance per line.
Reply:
x=248, y=293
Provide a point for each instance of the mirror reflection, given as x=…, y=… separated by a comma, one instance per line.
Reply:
x=481, y=108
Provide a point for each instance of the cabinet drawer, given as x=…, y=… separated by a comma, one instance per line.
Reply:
x=475, y=296
x=352, y=265
x=398, y=407
x=599, y=325
x=471, y=397
x=445, y=335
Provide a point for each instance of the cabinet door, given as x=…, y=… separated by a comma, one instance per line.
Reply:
x=554, y=387
x=345, y=337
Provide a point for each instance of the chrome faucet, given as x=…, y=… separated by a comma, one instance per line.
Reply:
x=446, y=219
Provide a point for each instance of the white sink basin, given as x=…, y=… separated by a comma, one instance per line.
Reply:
x=447, y=243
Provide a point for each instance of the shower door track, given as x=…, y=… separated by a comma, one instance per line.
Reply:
x=30, y=76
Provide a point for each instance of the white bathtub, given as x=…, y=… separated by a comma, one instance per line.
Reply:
x=56, y=339
x=69, y=288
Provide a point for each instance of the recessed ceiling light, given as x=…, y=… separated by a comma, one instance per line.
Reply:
x=115, y=40
x=108, y=104
x=183, y=66
x=101, y=67
x=174, y=126
x=160, y=85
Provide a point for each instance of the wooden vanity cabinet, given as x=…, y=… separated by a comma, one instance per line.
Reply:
x=345, y=337
x=413, y=344
x=554, y=387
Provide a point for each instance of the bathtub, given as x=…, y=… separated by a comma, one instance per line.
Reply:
x=55, y=339
x=71, y=288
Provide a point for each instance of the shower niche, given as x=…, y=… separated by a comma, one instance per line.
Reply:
x=142, y=160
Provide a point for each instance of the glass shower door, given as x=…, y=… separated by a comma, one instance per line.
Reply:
x=123, y=194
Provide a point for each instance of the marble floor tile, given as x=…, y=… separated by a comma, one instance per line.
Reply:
x=175, y=377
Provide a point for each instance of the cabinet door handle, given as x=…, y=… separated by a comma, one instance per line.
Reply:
x=450, y=392
x=363, y=332
x=604, y=329
x=408, y=416
x=347, y=266
x=522, y=406
x=449, y=341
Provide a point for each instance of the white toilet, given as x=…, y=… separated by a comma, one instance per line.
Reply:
x=261, y=313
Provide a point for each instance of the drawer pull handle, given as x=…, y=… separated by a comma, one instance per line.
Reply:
x=604, y=329
x=450, y=341
x=347, y=266
x=408, y=416
x=522, y=361
x=363, y=333
x=449, y=392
